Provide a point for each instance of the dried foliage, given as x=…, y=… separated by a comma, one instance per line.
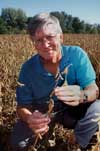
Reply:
x=14, y=50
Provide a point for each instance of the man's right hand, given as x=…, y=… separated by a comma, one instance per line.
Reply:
x=38, y=122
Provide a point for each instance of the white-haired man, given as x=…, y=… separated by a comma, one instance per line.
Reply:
x=75, y=104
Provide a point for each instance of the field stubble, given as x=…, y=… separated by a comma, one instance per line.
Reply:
x=14, y=50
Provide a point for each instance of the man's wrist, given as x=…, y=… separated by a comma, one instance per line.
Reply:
x=84, y=97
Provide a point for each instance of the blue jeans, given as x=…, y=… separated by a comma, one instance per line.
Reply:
x=79, y=118
x=86, y=127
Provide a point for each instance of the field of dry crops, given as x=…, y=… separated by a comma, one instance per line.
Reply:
x=14, y=50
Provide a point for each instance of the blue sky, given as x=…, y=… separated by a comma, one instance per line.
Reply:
x=87, y=10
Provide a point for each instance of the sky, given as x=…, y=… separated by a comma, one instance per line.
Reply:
x=87, y=10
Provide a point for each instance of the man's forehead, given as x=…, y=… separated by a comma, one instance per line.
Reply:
x=49, y=29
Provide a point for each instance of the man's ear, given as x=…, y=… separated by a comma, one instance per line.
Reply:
x=61, y=38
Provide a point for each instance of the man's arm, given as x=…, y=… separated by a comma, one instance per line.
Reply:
x=72, y=94
x=37, y=121
x=24, y=112
x=90, y=93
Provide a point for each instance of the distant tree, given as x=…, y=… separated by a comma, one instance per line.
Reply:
x=70, y=24
x=15, y=19
x=21, y=19
x=78, y=26
x=88, y=28
x=82, y=27
x=93, y=30
x=98, y=28
x=9, y=16
x=3, y=28
x=63, y=20
x=69, y=21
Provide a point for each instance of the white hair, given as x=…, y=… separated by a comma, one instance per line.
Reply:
x=41, y=20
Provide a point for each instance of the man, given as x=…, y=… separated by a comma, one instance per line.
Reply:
x=75, y=103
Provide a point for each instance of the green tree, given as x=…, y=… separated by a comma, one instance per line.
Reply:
x=21, y=19
x=88, y=28
x=3, y=28
x=78, y=26
x=94, y=30
x=69, y=21
x=98, y=28
x=9, y=16
x=70, y=24
x=15, y=19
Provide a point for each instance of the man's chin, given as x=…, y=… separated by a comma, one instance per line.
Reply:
x=47, y=59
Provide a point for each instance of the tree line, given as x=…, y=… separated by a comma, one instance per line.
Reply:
x=15, y=21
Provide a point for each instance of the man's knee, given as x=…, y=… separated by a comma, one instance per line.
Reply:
x=18, y=145
x=21, y=136
x=95, y=107
x=21, y=145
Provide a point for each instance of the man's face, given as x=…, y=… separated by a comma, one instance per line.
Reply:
x=48, y=43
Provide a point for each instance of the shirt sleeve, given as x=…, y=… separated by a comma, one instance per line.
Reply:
x=24, y=89
x=85, y=73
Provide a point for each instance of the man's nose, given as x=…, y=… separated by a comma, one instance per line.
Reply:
x=45, y=43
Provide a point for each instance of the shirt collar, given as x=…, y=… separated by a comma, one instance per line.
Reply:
x=65, y=61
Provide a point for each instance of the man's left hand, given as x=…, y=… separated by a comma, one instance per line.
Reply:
x=70, y=95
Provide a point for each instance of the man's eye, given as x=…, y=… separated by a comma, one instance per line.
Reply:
x=50, y=37
x=38, y=40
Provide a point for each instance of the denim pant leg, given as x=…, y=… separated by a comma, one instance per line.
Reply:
x=86, y=127
x=22, y=136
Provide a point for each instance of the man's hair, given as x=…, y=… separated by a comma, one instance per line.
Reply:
x=43, y=19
